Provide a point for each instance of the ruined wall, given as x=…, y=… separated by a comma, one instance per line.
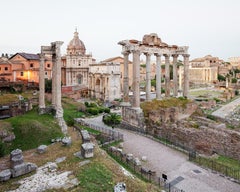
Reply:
x=133, y=118
x=202, y=135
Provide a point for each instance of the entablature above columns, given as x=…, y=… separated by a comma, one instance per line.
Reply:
x=128, y=47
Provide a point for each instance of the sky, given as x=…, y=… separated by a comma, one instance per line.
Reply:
x=206, y=26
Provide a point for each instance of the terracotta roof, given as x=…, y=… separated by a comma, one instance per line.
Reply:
x=28, y=56
x=114, y=58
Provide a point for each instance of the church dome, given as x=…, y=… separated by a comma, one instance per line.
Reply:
x=76, y=46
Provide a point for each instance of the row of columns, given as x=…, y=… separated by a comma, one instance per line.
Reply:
x=136, y=76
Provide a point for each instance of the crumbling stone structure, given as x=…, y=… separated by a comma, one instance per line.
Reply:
x=55, y=53
x=17, y=166
x=151, y=45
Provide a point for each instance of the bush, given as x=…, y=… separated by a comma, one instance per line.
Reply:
x=86, y=104
x=70, y=121
x=93, y=111
x=101, y=109
x=92, y=105
x=106, y=110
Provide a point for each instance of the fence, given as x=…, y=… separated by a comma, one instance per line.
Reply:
x=193, y=156
x=147, y=174
x=112, y=134
x=215, y=166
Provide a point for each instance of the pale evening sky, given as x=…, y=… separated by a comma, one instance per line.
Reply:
x=206, y=26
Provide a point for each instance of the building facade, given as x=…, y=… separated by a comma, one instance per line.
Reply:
x=24, y=67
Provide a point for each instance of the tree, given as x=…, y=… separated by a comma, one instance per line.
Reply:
x=112, y=119
x=221, y=78
x=48, y=85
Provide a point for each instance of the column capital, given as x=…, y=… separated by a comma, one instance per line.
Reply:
x=147, y=53
x=126, y=52
x=175, y=55
x=166, y=55
x=186, y=55
x=136, y=52
x=158, y=54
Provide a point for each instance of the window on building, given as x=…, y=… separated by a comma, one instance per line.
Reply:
x=46, y=73
x=48, y=65
x=22, y=73
x=79, y=79
x=0, y=69
x=31, y=64
x=6, y=68
x=79, y=63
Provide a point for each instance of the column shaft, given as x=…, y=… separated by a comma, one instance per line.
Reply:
x=54, y=70
x=167, y=76
x=186, y=75
x=175, y=77
x=41, y=83
x=126, y=78
x=136, y=79
x=58, y=89
x=148, y=77
x=158, y=77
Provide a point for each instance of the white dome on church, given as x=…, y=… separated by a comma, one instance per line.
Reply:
x=76, y=46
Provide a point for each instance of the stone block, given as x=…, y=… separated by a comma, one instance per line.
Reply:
x=120, y=187
x=87, y=150
x=16, y=158
x=67, y=141
x=5, y=175
x=42, y=149
x=23, y=169
x=144, y=158
x=137, y=161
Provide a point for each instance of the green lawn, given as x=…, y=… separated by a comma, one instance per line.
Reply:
x=32, y=130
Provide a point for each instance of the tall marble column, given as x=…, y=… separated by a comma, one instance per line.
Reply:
x=54, y=74
x=136, y=79
x=148, y=76
x=158, y=76
x=42, y=83
x=175, y=76
x=58, y=89
x=167, y=75
x=126, y=79
x=186, y=75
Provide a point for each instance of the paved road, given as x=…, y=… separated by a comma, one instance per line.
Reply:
x=174, y=164
x=225, y=110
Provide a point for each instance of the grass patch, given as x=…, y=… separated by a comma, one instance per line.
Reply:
x=32, y=130
x=225, y=165
x=90, y=130
x=233, y=163
x=95, y=177
x=165, y=103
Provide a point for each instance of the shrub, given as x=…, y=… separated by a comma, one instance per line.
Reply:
x=92, y=105
x=86, y=104
x=106, y=110
x=101, y=109
x=70, y=121
x=93, y=111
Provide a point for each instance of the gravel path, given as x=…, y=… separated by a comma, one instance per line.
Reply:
x=226, y=110
x=165, y=160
